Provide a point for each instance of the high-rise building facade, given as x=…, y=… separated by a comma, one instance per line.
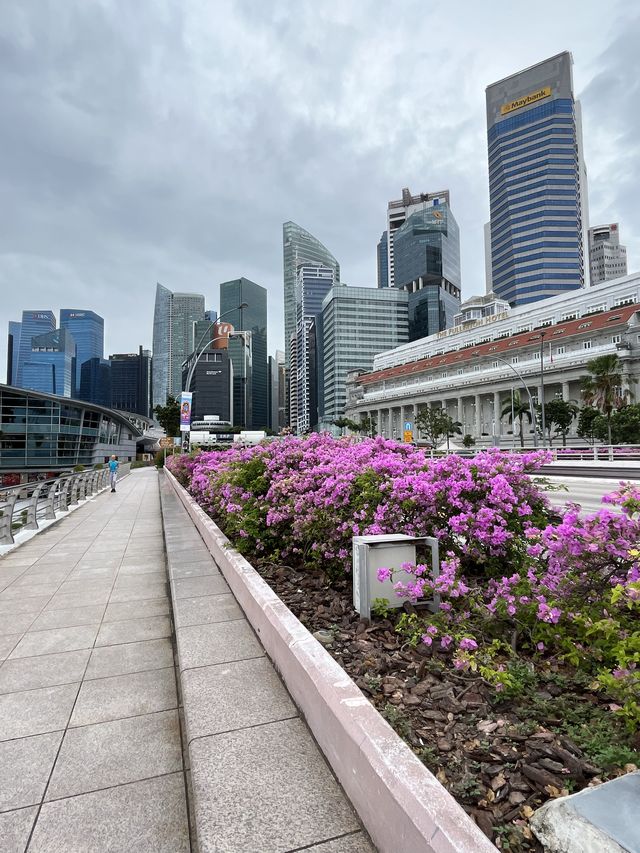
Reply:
x=299, y=247
x=537, y=183
x=313, y=282
x=252, y=319
x=131, y=381
x=87, y=330
x=426, y=264
x=95, y=382
x=276, y=391
x=398, y=211
x=211, y=385
x=607, y=257
x=382, y=260
x=33, y=323
x=13, y=348
x=357, y=324
x=173, y=319
x=51, y=363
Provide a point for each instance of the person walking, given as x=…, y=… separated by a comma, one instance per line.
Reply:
x=113, y=472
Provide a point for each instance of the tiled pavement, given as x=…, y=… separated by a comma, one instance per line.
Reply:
x=90, y=745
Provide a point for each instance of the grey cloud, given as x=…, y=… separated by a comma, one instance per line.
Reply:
x=168, y=140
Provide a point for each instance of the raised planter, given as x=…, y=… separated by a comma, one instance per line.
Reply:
x=401, y=804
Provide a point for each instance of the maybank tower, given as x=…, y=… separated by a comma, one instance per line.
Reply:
x=537, y=183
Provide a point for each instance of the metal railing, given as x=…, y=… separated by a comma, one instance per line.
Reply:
x=27, y=505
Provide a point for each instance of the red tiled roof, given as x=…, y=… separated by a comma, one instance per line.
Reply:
x=596, y=322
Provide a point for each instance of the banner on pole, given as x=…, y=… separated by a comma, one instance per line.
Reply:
x=185, y=411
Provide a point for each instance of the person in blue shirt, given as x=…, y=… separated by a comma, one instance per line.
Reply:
x=113, y=472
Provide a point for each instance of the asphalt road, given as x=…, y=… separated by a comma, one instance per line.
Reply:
x=586, y=491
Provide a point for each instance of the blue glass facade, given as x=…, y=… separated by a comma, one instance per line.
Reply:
x=13, y=348
x=51, y=364
x=535, y=185
x=33, y=323
x=87, y=329
x=95, y=382
x=383, y=260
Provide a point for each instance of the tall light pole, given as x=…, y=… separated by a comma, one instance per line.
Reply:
x=526, y=387
x=544, y=426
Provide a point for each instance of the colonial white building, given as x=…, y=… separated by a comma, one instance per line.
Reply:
x=473, y=370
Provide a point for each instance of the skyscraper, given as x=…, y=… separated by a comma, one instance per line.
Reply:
x=382, y=257
x=252, y=319
x=95, y=382
x=357, y=323
x=398, y=212
x=607, y=257
x=87, y=330
x=299, y=247
x=13, y=348
x=173, y=319
x=131, y=381
x=426, y=262
x=537, y=183
x=50, y=365
x=33, y=323
x=306, y=386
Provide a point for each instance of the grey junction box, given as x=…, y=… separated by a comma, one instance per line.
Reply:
x=388, y=551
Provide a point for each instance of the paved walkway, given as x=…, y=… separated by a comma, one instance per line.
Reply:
x=90, y=745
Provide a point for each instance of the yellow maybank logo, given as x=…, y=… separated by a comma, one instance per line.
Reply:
x=437, y=214
x=540, y=95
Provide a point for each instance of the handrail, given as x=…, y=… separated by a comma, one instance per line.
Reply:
x=25, y=505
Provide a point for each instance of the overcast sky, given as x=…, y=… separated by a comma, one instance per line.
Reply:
x=167, y=140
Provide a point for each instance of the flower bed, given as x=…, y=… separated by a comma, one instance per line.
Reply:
x=525, y=684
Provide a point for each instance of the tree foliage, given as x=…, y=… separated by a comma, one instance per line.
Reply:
x=559, y=414
x=603, y=388
x=168, y=416
x=436, y=424
x=516, y=409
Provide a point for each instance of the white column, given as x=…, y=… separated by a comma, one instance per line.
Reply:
x=478, y=401
x=565, y=392
x=460, y=411
x=496, y=413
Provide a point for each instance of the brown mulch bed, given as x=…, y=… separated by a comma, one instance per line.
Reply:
x=500, y=758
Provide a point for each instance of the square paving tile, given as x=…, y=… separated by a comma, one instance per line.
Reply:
x=7, y=644
x=266, y=789
x=85, y=587
x=130, y=657
x=55, y=640
x=134, y=630
x=194, y=587
x=213, y=695
x=32, y=590
x=356, y=842
x=127, y=610
x=153, y=590
x=67, y=601
x=125, y=696
x=203, y=645
x=206, y=609
x=15, y=828
x=145, y=817
x=117, y=752
x=140, y=581
x=33, y=712
x=43, y=671
x=191, y=569
x=15, y=623
x=91, y=614
x=25, y=765
x=24, y=605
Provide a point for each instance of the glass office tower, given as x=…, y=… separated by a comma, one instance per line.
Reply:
x=131, y=381
x=33, y=323
x=299, y=247
x=426, y=250
x=537, y=183
x=87, y=330
x=382, y=258
x=173, y=319
x=252, y=319
x=13, y=348
x=51, y=363
x=95, y=382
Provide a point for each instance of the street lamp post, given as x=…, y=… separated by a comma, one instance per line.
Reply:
x=544, y=426
x=526, y=387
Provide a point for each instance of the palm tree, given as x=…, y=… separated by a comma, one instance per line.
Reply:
x=516, y=409
x=453, y=428
x=603, y=388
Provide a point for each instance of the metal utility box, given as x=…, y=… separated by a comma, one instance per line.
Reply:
x=389, y=551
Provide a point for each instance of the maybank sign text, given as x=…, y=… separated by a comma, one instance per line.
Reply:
x=540, y=95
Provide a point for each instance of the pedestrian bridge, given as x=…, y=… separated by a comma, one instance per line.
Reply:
x=94, y=751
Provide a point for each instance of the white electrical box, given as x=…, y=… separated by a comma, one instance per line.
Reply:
x=389, y=551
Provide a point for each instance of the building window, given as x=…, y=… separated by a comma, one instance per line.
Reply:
x=514, y=359
x=572, y=316
x=494, y=364
x=586, y=344
x=560, y=350
x=460, y=371
x=616, y=339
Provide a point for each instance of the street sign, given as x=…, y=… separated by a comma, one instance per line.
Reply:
x=408, y=426
x=408, y=435
x=166, y=442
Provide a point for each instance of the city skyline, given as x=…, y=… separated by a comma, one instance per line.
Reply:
x=120, y=210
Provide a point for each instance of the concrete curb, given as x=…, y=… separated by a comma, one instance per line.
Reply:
x=400, y=803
